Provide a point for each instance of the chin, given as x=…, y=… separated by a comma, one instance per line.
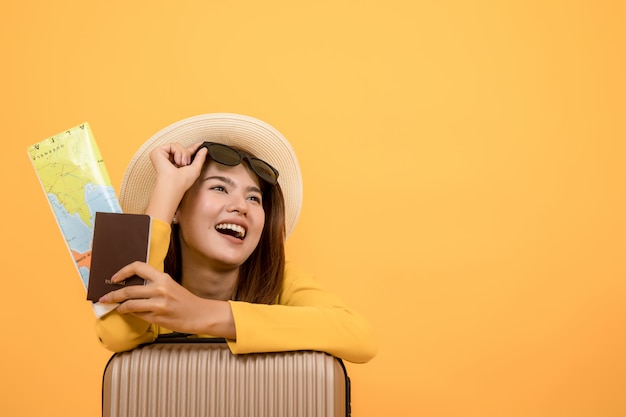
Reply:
x=234, y=261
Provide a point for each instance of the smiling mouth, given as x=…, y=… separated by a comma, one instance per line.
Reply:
x=230, y=229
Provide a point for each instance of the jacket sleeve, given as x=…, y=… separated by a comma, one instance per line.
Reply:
x=119, y=332
x=307, y=317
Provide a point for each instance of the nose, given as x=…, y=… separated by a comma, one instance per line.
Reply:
x=237, y=203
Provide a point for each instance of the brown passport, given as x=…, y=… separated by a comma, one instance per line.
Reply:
x=118, y=240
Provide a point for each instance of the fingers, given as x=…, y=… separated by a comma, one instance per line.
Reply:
x=199, y=158
x=132, y=292
x=178, y=154
x=172, y=153
x=193, y=148
x=175, y=163
x=137, y=306
x=140, y=269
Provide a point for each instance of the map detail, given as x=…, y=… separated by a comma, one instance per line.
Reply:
x=77, y=184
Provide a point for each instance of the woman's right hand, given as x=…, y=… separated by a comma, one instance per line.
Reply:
x=175, y=174
x=173, y=161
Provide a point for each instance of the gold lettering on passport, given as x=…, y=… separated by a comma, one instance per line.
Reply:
x=108, y=281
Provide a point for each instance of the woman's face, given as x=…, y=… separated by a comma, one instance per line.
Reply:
x=221, y=217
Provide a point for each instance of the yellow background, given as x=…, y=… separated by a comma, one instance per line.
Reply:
x=464, y=183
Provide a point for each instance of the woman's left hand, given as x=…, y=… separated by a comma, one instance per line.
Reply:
x=164, y=302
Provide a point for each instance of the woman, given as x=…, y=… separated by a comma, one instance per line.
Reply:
x=226, y=191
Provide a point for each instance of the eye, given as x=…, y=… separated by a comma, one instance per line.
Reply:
x=219, y=188
x=255, y=198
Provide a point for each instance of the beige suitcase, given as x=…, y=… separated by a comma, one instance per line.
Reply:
x=202, y=378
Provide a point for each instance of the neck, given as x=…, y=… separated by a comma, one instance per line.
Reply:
x=213, y=285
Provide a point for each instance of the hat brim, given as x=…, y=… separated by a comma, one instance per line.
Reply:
x=247, y=133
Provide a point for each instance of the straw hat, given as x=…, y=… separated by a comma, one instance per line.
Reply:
x=247, y=133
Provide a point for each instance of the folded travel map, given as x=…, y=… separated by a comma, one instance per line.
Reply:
x=75, y=180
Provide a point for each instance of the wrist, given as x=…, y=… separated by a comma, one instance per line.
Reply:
x=215, y=319
x=164, y=200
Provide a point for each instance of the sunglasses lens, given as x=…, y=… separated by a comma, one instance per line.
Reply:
x=224, y=154
x=264, y=170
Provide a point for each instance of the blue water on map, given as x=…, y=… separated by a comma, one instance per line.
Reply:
x=77, y=234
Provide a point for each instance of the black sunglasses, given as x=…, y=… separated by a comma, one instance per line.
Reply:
x=229, y=156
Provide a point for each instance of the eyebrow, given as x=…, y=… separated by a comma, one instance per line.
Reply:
x=232, y=183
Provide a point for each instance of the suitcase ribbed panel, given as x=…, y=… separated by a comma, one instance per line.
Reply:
x=205, y=379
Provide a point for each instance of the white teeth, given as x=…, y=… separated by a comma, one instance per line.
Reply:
x=239, y=230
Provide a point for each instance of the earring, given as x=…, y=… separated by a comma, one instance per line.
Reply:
x=174, y=220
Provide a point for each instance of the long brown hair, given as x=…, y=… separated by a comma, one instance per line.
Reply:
x=261, y=275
